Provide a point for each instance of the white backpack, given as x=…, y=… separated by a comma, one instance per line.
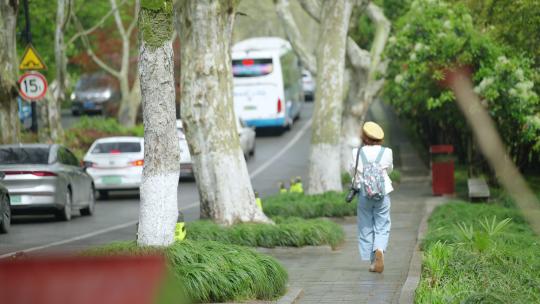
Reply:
x=373, y=177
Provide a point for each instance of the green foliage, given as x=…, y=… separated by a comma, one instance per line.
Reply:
x=155, y=22
x=209, y=271
x=468, y=260
x=329, y=204
x=293, y=232
x=515, y=23
x=434, y=36
x=80, y=136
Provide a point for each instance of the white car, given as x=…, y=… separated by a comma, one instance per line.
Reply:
x=186, y=165
x=115, y=163
x=247, y=138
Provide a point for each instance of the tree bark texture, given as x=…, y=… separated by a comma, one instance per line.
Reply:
x=324, y=167
x=225, y=191
x=9, y=116
x=58, y=96
x=365, y=86
x=159, y=187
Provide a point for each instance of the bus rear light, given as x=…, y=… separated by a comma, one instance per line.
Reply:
x=279, y=105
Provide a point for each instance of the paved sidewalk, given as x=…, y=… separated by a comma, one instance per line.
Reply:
x=340, y=276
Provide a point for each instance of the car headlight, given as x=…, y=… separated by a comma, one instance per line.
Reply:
x=107, y=94
x=72, y=96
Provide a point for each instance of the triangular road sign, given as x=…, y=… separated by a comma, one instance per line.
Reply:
x=31, y=60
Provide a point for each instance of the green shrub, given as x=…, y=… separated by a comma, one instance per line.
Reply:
x=207, y=271
x=330, y=204
x=294, y=232
x=472, y=255
x=88, y=129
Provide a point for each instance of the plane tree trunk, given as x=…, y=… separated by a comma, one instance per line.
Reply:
x=9, y=117
x=225, y=191
x=159, y=187
x=324, y=166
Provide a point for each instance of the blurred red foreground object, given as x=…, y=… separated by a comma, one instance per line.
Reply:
x=81, y=280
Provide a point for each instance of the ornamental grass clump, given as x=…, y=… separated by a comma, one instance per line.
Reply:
x=207, y=271
x=329, y=204
x=292, y=232
x=479, y=254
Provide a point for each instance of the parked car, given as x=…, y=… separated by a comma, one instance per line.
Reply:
x=115, y=163
x=5, y=207
x=308, y=85
x=95, y=93
x=186, y=165
x=247, y=138
x=46, y=178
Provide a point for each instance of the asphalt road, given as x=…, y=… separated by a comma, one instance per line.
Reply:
x=277, y=158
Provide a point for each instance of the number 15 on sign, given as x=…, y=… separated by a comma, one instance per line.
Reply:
x=32, y=86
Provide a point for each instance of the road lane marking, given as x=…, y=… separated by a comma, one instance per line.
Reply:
x=282, y=151
x=85, y=236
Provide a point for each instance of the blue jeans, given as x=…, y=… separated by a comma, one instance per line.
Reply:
x=373, y=226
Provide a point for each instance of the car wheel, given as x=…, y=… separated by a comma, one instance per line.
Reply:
x=103, y=194
x=75, y=112
x=64, y=214
x=89, y=210
x=6, y=216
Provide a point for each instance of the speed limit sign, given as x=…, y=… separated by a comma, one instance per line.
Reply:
x=32, y=86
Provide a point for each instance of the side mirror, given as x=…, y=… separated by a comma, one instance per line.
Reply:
x=2, y=175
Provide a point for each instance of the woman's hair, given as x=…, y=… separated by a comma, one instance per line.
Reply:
x=370, y=141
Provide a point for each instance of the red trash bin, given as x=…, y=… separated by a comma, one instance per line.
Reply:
x=442, y=169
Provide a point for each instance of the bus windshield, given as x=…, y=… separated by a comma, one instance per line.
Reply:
x=252, y=67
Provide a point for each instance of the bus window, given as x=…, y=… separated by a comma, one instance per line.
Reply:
x=252, y=67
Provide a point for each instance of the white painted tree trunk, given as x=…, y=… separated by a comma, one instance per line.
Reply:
x=159, y=188
x=9, y=118
x=225, y=190
x=324, y=168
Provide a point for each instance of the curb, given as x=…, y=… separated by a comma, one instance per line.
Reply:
x=291, y=297
x=415, y=267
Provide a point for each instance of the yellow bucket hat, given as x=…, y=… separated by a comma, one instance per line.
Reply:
x=373, y=130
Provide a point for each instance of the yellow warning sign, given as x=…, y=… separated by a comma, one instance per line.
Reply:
x=31, y=60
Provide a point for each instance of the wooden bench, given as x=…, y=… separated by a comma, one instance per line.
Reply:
x=478, y=189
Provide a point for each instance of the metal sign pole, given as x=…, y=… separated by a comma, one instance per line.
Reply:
x=28, y=36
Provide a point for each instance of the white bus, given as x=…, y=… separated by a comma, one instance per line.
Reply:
x=267, y=82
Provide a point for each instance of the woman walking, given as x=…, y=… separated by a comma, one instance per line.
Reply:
x=373, y=164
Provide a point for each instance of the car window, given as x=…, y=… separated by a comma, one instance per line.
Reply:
x=117, y=147
x=63, y=156
x=72, y=159
x=24, y=155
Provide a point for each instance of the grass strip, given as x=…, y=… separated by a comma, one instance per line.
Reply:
x=207, y=271
x=472, y=256
x=330, y=204
x=293, y=232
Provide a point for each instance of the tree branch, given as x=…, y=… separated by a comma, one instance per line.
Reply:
x=312, y=8
x=291, y=29
x=382, y=24
x=135, y=18
x=360, y=59
x=93, y=28
x=118, y=18
x=95, y=58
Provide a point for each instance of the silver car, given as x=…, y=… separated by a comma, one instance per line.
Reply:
x=46, y=178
